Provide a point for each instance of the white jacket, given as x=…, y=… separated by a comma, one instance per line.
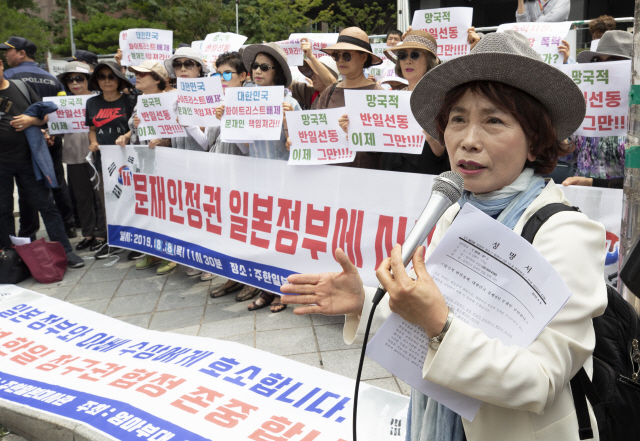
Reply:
x=525, y=392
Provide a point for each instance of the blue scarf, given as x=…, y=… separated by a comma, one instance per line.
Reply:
x=433, y=421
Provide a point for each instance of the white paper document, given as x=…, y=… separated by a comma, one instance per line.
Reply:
x=494, y=280
x=17, y=241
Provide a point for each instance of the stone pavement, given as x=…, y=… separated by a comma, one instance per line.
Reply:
x=180, y=304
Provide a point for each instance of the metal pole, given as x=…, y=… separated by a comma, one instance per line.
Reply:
x=237, y=31
x=630, y=227
x=73, y=43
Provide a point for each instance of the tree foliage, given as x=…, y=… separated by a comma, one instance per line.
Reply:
x=19, y=24
x=371, y=17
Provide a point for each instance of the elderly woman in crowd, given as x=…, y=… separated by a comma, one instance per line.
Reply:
x=413, y=58
x=500, y=132
x=322, y=73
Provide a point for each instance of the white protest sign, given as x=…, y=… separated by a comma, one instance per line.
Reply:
x=197, y=101
x=594, y=45
x=293, y=49
x=380, y=71
x=218, y=43
x=381, y=121
x=56, y=67
x=157, y=117
x=139, y=45
x=318, y=42
x=544, y=38
x=197, y=45
x=378, y=50
x=71, y=114
x=316, y=137
x=135, y=384
x=448, y=26
x=252, y=113
x=606, y=89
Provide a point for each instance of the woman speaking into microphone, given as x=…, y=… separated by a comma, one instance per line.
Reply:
x=501, y=132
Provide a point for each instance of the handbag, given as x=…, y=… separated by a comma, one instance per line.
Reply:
x=12, y=268
x=47, y=261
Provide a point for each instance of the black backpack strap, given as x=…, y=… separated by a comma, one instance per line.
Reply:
x=581, y=389
x=541, y=216
x=23, y=89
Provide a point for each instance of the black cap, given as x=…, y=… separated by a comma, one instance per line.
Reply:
x=85, y=56
x=19, y=44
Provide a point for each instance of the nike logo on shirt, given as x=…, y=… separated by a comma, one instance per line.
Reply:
x=105, y=116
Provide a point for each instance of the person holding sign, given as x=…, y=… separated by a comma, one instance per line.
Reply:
x=352, y=53
x=413, y=58
x=500, y=133
x=543, y=10
x=323, y=73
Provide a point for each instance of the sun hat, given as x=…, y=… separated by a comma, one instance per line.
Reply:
x=115, y=68
x=616, y=43
x=184, y=52
x=328, y=62
x=502, y=58
x=74, y=67
x=354, y=39
x=414, y=40
x=272, y=49
x=151, y=66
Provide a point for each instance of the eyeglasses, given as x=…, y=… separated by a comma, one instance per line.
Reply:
x=402, y=55
x=226, y=75
x=346, y=56
x=188, y=64
x=79, y=79
x=103, y=77
x=142, y=74
x=263, y=67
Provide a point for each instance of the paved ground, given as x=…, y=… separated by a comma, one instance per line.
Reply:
x=180, y=304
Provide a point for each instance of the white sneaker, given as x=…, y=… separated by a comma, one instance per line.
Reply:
x=193, y=272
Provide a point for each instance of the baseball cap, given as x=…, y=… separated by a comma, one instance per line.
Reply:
x=19, y=44
x=85, y=56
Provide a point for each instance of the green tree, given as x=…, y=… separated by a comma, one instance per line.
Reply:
x=101, y=32
x=371, y=17
x=19, y=24
x=274, y=20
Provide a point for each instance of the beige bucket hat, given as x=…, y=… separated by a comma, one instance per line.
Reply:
x=249, y=54
x=354, y=39
x=414, y=40
x=151, y=66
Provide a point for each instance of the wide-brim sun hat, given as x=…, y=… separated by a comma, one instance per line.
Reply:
x=354, y=39
x=612, y=43
x=272, y=49
x=74, y=67
x=414, y=40
x=502, y=58
x=115, y=68
x=151, y=66
x=328, y=62
x=184, y=52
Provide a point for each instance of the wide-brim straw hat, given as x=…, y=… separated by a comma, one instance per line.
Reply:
x=115, y=68
x=354, y=39
x=612, y=43
x=502, y=58
x=250, y=52
x=328, y=62
x=414, y=40
x=184, y=52
x=151, y=66
x=74, y=67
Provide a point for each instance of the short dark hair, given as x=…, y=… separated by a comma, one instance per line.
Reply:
x=280, y=79
x=395, y=32
x=368, y=62
x=233, y=59
x=533, y=117
x=29, y=55
x=602, y=24
x=162, y=85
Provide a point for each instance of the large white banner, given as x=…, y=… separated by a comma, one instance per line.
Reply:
x=606, y=90
x=135, y=384
x=257, y=221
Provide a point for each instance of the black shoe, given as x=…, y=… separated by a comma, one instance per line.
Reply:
x=103, y=252
x=98, y=244
x=71, y=233
x=74, y=261
x=85, y=243
x=135, y=255
x=115, y=250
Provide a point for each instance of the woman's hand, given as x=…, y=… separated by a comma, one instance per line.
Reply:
x=220, y=112
x=326, y=293
x=578, y=180
x=159, y=142
x=306, y=47
x=21, y=122
x=287, y=107
x=123, y=140
x=136, y=121
x=564, y=49
x=94, y=146
x=472, y=37
x=417, y=301
x=288, y=144
x=343, y=122
x=118, y=56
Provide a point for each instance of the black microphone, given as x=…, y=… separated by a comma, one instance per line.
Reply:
x=446, y=191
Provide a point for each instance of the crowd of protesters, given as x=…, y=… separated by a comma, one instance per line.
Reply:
x=111, y=117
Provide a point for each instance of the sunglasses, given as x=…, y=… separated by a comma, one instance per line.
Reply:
x=597, y=59
x=226, y=75
x=142, y=74
x=189, y=64
x=79, y=79
x=402, y=55
x=346, y=56
x=103, y=77
x=263, y=67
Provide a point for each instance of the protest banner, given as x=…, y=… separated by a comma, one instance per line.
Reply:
x=293, y=49
x=318, y=42
x=56, y=67
x=70, y=116
x=316, y=137
x=606, y=90
x=252, y=114
x=219, y=43
x=381, y=121
x=139, y=45
x=544, y=38
x=380, y=71
x=157, y=117
x=448, y=26
x=134, y=384
x=197, y=101
x=378, y=50
x=197, y=45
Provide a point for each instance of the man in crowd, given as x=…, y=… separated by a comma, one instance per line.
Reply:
x=20, y=54
x=394, y=37
x=86, y=57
